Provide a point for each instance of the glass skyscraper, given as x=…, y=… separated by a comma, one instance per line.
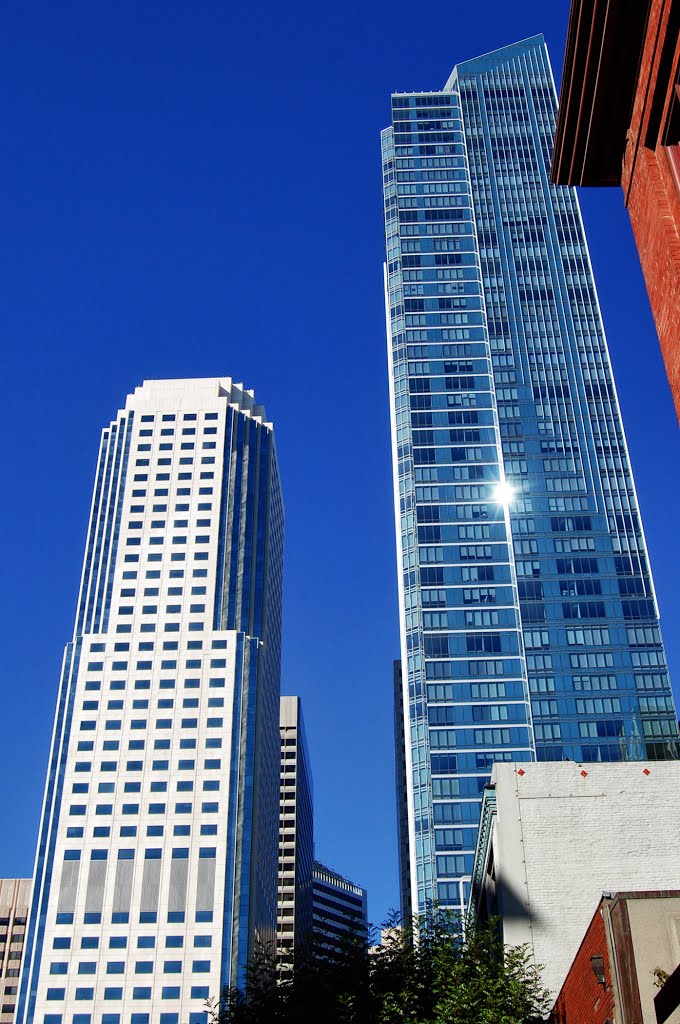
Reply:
x=529, y=625
x=156, y=868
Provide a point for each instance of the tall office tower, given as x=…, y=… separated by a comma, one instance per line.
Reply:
x=15, y=897
x=529, y=626
x=156, y=867
x=296, y=837
x=340, y=912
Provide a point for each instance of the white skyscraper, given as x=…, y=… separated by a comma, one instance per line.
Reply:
x=156, y=868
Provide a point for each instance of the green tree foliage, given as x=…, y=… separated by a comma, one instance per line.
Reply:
x=422, y=975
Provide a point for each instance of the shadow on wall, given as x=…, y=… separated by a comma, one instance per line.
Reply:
x=503, y=903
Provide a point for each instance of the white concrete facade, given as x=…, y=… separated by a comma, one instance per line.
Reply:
x=145, y=869
x=556, y=836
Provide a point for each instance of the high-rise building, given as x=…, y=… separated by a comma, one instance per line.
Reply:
x=156, y=868
x=402, y=798
x=15, y=897
x=340, y=912
x=296, y=837
x=529, y=625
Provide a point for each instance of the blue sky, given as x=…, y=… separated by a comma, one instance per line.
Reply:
x=193, y=189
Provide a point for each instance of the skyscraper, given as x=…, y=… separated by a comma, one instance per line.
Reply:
x=296, y=837
x=529, y=625
x=156, y=867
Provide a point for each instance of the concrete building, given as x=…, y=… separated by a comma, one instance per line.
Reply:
x=667, y=999
x=340, y=911
x=632, y=941
x=529, y=626
x=296, y=837
x=15, y=898
x=619, y=124
x=156, y=869
x=554, y=837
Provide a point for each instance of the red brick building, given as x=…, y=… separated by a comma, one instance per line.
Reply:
x=619, y=123
x=612, y=979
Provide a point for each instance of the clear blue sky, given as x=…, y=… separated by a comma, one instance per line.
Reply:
x=193, y=189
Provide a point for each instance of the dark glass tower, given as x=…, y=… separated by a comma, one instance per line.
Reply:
x=528, y=619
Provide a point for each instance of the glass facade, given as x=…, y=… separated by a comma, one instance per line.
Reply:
x=529, y=624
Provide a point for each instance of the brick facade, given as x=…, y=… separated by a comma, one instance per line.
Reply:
x=651, y=190
x=612, y=980
x=619, y=122
x=583, y=999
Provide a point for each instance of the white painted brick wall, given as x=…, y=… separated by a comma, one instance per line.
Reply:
x=562, y=838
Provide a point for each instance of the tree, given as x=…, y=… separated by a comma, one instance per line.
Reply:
x=426, y=973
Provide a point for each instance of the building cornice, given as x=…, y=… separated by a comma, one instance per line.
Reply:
x=605, y=40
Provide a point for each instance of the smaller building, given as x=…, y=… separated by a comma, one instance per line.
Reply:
x=555, y=836
x=632, y=942
x=667, y=999
x=15, y=898
x=340, y=912
x=296, y=837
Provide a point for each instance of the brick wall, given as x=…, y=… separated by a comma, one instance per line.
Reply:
x=583, y=1000
x=654, y=207
x=652, y=194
